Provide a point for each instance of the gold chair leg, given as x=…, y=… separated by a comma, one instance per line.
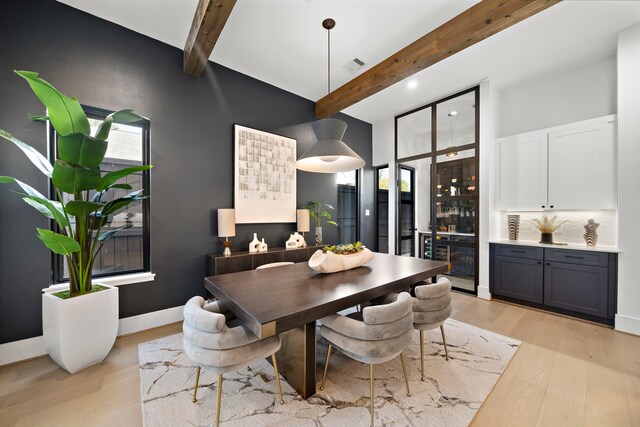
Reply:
x=444, y=341
x=275, y=368
x=372, y=392
x=326, y=366
x=422, y=354
x=195, y=390
x=404, y=371
x=219, y=400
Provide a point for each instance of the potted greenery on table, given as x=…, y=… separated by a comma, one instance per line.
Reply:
x=80, y=324
x=320, y=213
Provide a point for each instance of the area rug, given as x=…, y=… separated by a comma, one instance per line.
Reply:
x=451, y=394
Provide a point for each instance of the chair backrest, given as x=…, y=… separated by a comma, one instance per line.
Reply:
x=432, y=305
x=434, y=290
x=388, y=313
x=273, y=264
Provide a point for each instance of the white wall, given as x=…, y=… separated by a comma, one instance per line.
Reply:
x=579, y=94
x=628, y=317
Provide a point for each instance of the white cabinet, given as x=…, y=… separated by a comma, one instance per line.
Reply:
x=565, y=167
x=523, y=171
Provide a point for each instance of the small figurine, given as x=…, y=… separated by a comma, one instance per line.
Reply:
x=254, y=245
x=262, y=247
x=292, y=243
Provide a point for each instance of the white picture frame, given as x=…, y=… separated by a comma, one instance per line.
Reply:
x=264, y=176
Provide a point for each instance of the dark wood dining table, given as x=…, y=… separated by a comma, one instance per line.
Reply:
x=287, y=300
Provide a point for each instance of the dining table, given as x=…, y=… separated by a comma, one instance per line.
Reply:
x=289, y=299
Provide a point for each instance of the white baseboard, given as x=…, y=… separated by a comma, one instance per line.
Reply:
x=484, y=293
x=29, y=348
x=628, y=324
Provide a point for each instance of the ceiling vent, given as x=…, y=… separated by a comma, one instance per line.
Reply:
x=355, y=65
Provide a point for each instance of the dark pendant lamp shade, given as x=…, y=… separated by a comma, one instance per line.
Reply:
x=329, y=154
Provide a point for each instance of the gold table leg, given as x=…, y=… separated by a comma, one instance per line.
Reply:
x=297, y=359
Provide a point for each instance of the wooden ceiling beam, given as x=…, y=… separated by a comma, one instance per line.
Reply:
x=470, y=27
x=208, y=22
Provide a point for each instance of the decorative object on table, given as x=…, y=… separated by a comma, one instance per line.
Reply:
x=79, y=324
x=302, y=222
x=262, y=247
x=291, y=243
x=320, y=213
x=513, y=222
x=265, y=177
x=254, y=245
x=339, y=258
x=329, y=154
x=226, y=228
x=547, y=227
x=590, y=234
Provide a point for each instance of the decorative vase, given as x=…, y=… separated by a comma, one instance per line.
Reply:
x=72, y=341
x=330, y=263
x=291, y=243
x=514, y=226
x=262, y=247
x=546, y=237
x=255, y=243
x=590, y=234
x=319, y=236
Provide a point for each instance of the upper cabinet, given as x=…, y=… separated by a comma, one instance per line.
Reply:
x=565, y=167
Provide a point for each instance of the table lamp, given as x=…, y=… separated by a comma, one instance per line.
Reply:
x=302, y=219
x=226, y=227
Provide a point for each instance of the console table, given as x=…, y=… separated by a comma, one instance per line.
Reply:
x=242, y=261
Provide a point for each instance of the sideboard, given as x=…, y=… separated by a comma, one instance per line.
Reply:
x=241, y=261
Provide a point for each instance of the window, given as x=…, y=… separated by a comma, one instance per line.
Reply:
x=382, y=208
x=128, y=250
x=347, y=209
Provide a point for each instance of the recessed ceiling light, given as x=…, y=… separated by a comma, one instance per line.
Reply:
x=453, y=113
x=412, y=84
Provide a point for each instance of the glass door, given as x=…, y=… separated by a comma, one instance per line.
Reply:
x=406, y=211
x=382, y=208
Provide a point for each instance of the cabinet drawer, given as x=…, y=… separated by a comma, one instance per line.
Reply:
x=598, y=259
x=519, y=251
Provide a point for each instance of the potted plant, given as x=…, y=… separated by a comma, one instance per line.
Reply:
x=79, y=324
x=340, y=257
x=546, y=227
x=320, y=213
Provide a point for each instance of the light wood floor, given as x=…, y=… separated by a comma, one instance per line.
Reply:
x=566, y=373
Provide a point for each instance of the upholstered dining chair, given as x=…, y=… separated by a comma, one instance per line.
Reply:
x=273, y=264
x=382, y=334
x=431, y=307
x=215, y=340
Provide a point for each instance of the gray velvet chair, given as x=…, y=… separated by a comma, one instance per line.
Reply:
x=382, y=334
x=431, y=307
x=215, y=340
x=273, y=264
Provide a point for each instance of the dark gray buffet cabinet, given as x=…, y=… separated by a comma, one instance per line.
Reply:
x=574, y=282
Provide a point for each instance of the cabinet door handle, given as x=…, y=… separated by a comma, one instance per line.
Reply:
x=549, y=263
x=551, y=206
x=574, y=257
x=542, y=206
x=539, y=262
x=518, y=252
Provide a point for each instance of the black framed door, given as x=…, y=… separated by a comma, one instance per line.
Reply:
x=406, y=190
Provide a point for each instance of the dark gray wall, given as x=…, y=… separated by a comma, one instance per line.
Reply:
x=110, y=67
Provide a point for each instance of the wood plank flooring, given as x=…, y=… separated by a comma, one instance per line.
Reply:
x=566, y=373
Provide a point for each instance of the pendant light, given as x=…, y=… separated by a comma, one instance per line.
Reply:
x=329, y=154
x=452, y=153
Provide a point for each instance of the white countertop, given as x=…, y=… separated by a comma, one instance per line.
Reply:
x=572, y=246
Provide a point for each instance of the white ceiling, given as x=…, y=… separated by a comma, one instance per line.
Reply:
x=283, y=43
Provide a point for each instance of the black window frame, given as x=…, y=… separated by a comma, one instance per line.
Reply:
x=57, y=261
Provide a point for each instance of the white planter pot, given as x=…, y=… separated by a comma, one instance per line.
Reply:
x=80, y=331
x=330, y=262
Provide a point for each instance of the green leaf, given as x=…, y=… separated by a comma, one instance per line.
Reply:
x=79, y=208
x=107, y=235
x=120, y=203
x=125, y=116
x=48, y=208
x=331, y=222
x=73, y=179
x=66, y=114
x=328, y=206
x=36, y=158
x=58, y=243
x=81, y=150
x=104, y=129
x=122, y=186
x=38, y=118
x=112, y=177
x=325, y=214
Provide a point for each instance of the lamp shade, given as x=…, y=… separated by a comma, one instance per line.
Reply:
x=329, y=154
x=226, y=222
x=302, y=218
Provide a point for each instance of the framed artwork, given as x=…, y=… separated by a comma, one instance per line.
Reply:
x=264, y=177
